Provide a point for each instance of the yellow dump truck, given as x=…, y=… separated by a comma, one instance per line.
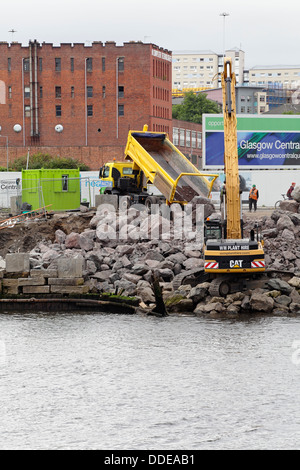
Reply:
x=150, y=157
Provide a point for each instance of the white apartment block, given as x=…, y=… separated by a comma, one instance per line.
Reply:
x=285, y=76
x=202, y=69
x=192, y=69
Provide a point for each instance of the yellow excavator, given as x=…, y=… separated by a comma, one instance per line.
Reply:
x=229, y=258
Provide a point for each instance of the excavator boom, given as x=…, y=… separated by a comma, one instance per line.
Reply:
x=233, y=205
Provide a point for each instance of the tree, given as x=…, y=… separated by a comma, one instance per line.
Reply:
x=193, y=106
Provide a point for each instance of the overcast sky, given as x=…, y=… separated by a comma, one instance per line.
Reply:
x=267, y=31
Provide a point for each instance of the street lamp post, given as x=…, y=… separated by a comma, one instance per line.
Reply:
x=224, y=14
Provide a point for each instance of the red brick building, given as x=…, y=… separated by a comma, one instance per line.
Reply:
x=187, y=136
x=80, y=101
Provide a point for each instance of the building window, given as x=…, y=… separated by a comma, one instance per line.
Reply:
x=194, y=139
x=188, y=138
x=57, y=64
x=121, y=110
x=58, y=92
x=27, y=111
x=26, y=65
x=199, y=140
x=103, y=91
x=72, y=92
x=175, y=135
x=121, y=64
x=40, y=64
x=41, y=92
x=9, y=64
x=9, y=92
x=26, y=92
x=58, y=110
x=181, y=137
x=103, y=64
x=72, y=64
x=89, y=64
x=90, y=110
x=121, y=92
x=89, y=91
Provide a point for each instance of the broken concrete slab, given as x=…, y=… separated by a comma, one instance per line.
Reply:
x=59, y=281
x=69, y=289
x=32, y=281
x=17, y=262
x=44, y=272
x=36, y=289
x=69, y=267
x=10, y=286
x=107, y=199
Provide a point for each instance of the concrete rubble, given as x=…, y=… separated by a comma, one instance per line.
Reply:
x=101, y=259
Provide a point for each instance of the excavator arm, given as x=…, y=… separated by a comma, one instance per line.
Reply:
x=232, y=194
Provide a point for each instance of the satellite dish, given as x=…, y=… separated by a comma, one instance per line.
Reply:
x=17, y=128
x=59, y=128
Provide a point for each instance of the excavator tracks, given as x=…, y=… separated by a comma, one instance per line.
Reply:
x=191, y=277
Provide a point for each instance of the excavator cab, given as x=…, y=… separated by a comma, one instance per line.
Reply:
x=212, y=229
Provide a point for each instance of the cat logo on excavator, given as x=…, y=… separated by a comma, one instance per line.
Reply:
x=236, y=263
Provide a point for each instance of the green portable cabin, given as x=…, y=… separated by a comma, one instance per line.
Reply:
x=61, y=188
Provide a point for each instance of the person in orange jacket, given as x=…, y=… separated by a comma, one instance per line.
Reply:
x=253, y=198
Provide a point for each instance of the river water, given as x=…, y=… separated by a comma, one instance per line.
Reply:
x=104, y=381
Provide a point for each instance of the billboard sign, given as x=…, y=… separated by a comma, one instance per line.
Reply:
x=271, y=141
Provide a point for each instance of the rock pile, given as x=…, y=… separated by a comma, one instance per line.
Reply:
x=277, y=297
x=281, y=234
x=120, y=252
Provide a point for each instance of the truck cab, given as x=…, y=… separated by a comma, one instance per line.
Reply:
x=117, y=175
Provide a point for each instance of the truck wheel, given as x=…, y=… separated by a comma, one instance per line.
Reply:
x=149, y=203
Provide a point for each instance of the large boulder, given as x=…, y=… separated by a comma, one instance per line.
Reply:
x=284, y=222
x=296, y=194
x=260, y=302
x=291, y=206
x=72, y=240
x=198, y=292
x=86, y=240
x=279, y=284
x=295, y=282
x=60, y=236
x=288, y=235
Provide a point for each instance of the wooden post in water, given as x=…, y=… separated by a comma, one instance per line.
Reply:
x=160, y=307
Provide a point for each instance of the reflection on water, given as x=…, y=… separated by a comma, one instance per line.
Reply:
x=88, y=381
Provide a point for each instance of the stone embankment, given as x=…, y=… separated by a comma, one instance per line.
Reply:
x=118, y=254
